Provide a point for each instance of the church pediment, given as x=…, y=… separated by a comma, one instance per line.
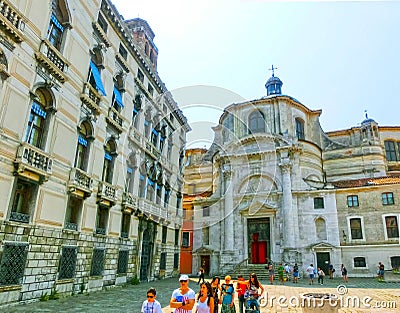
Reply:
x=323, y=246
x=203, y=250
x=258, y=207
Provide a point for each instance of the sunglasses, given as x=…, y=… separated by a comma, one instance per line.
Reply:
x=151, y=297
x=183, y=281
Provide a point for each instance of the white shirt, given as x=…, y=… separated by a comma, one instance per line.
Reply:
x=151, y=307
x=202, y=307
x=189, y=295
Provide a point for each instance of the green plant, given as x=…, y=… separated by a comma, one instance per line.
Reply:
x=54, y=294
x=44, y=297
x=135, y=280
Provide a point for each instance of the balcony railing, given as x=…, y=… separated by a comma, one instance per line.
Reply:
x=19, y=217
x=150, y=208
x=11, y=21
x=100, y=231
x=71, y=226
x=115, y=119
x=91, y=97
x=52, y=59
x=129, y=200
x=34, y=159
x=101, y=33
x=81, y=180
x=107, y=192
x=135, y=136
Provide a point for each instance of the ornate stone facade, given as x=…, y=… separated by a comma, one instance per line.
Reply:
x=284, y=190
x=91, y=144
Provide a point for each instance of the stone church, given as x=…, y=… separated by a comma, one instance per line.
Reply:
x=283, y=190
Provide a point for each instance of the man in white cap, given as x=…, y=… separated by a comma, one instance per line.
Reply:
x=183, y=298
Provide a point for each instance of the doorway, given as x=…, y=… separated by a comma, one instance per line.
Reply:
x=259, y=240
x=323, y=260
x=146, y=255
x=205, y=263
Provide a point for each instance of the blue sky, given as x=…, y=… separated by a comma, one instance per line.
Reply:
x=338, y=56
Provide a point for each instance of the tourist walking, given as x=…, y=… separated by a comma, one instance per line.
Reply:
x=241, y=287
x=228, y=296
x=331, y=270
x=281, y=273
x=321, y=275
x=254, y=286
x=381, y=271
x=295, y=273
x=151, y=305
x=215, y=289
x=310, y=270
x=344, y=273
x=183, y=298
x=205, y=301
x=271, y=273
x=201, y=275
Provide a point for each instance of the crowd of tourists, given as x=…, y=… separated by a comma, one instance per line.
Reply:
x=214, y=296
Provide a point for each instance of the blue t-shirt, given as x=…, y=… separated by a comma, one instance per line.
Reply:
x=229, y=290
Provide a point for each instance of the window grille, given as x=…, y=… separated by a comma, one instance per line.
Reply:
x=123, y=261
x=12, y=264
x=98, y=258
x=68, y=258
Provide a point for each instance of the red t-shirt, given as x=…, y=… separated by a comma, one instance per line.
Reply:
x=241, y=287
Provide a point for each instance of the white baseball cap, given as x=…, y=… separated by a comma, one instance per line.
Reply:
x=183, y=277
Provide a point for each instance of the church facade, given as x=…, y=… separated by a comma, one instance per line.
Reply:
x=286, y=191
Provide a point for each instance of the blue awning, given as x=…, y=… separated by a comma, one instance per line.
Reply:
x=57, y=23
x=150, y=182
x=129, y=170
x=97, y=78
x=154, y=131
x=82, y=141
x=38, y=110
x=107, y=156
x=118, y=97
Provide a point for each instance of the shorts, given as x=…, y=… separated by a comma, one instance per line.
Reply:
x=311, y=276
x=295, y=274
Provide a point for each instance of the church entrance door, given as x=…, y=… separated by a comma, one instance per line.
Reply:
x=259, y=240
x=323, y=260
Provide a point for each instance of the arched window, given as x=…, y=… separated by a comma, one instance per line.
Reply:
x=320, y=228
x=39, y=118
x=82, y=150
x=130, y=173
x=256, y=122
x=300, y=129
x=110, y=152
x=59, y=18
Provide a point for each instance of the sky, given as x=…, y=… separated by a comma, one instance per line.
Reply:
x=338, y=56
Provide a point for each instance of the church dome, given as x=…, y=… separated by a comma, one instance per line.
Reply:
x=273, y=84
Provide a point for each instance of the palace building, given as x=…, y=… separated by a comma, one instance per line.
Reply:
x=91, y=151
x=283, y=190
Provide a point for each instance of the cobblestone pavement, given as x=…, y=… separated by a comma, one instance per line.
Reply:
x=279, y=298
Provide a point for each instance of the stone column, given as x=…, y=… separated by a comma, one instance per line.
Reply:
x=228, y=208
x=288, y=211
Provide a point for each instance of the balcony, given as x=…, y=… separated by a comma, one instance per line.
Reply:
x=91, y=98
x=122, y=62
x=107, y=194
x=103, y=36
x=34, y=160
x=80, y=180
x=52, y=60
x=129, y=202
x=154, y=211
x=11, y=22
x=135, y=136
x=152, y=150
x=115, y=119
